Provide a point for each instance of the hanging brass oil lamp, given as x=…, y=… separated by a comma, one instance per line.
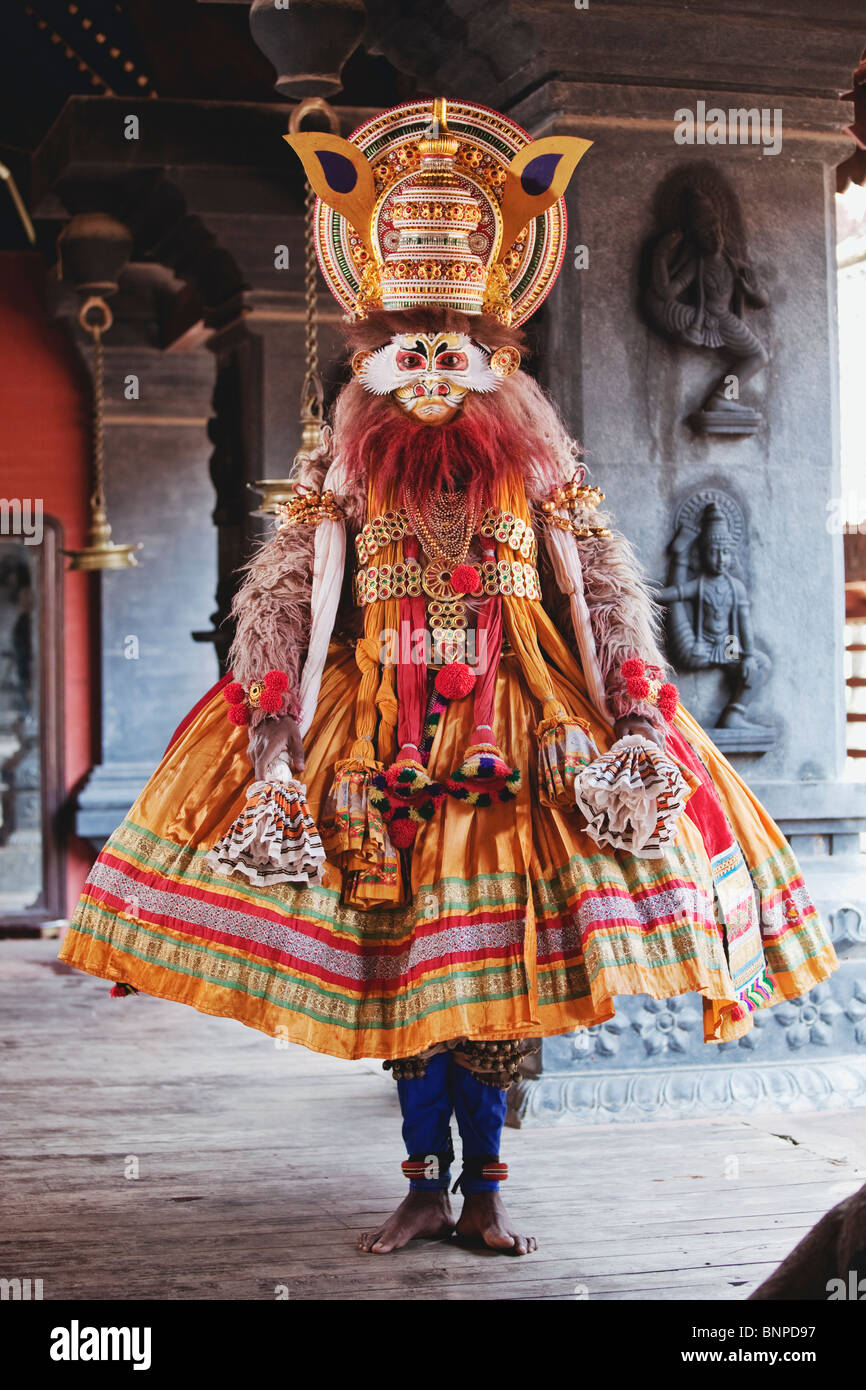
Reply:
x=100, y=552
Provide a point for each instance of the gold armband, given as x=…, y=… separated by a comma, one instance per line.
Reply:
x=310, y=508
x=561, y=509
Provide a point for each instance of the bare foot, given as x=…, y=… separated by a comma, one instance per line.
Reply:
x=421, y=1215
x=484, y=1218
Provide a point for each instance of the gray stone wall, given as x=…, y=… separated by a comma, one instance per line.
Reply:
x=627, y=393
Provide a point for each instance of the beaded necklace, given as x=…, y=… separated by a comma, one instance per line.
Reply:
x=445, y=524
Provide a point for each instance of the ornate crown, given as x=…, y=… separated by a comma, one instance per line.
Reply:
x=416, y=211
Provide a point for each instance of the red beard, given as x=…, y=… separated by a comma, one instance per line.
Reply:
x=476, y=451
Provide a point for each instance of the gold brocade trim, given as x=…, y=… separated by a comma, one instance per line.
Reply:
x=496, y=524
x=406, y=579
x=286, y=990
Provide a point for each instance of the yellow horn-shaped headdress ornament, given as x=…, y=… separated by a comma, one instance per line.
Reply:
x=538, y=175
x=341, y=176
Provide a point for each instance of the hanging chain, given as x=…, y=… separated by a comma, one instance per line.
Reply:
x=98, y=497
x=312, y=391
x=95, y=328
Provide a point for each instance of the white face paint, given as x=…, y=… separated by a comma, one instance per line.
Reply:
x=428, y=374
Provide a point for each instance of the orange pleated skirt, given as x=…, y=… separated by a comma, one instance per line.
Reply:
x=515, y=922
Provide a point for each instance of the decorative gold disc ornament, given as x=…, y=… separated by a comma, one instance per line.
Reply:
x=505, y=361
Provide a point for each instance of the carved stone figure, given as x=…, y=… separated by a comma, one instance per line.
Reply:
x=698, y=287
x=709, y=610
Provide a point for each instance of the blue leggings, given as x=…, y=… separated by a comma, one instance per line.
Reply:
x=427, y=1103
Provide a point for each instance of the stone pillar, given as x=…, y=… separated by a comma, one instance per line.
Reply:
x=627, y=394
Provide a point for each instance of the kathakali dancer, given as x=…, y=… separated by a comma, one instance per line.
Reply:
x=506, y=817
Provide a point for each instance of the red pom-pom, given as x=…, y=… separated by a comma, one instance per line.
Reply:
x=234, y=693
x=276, y=680
x=238, y=714
x=667, y=701
x=455, y=681
x=632, y=667
x=465, y=579
x=271, y=700
x=638, y=686
x=402, y=833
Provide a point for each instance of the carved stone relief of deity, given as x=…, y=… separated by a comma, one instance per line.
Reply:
x=698, y=287
x=709, y=617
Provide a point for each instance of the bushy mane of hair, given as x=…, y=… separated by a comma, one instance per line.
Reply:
x=513, y=432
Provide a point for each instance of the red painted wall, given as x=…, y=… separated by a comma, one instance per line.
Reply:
x=44, y=452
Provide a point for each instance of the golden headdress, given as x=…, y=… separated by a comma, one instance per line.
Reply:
x=416, y=209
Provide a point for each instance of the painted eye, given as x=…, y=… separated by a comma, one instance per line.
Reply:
x=410, y=362
x=452, y=361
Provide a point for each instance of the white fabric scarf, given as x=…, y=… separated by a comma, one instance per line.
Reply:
x=329, y=562
x=565, y=557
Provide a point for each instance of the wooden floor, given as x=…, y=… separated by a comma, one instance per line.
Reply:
x=257, y=1166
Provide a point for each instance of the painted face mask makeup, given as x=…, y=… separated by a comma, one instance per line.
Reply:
x=427, y=374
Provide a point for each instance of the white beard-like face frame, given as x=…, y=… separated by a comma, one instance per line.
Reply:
x=428, y=374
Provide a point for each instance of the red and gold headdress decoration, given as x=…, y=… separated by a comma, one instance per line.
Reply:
x=461, y=213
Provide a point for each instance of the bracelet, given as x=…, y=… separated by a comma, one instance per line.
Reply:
x=642, y=685
x=265, y=694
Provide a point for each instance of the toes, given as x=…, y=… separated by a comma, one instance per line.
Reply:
x=381, y=1247
x=521, y=1245
x=500, y=1240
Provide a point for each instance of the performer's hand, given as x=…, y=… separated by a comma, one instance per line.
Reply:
x=273, y=736
x=635, y=724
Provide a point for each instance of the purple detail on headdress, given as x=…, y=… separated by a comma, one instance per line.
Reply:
x=538, y=174
x=339, y=171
